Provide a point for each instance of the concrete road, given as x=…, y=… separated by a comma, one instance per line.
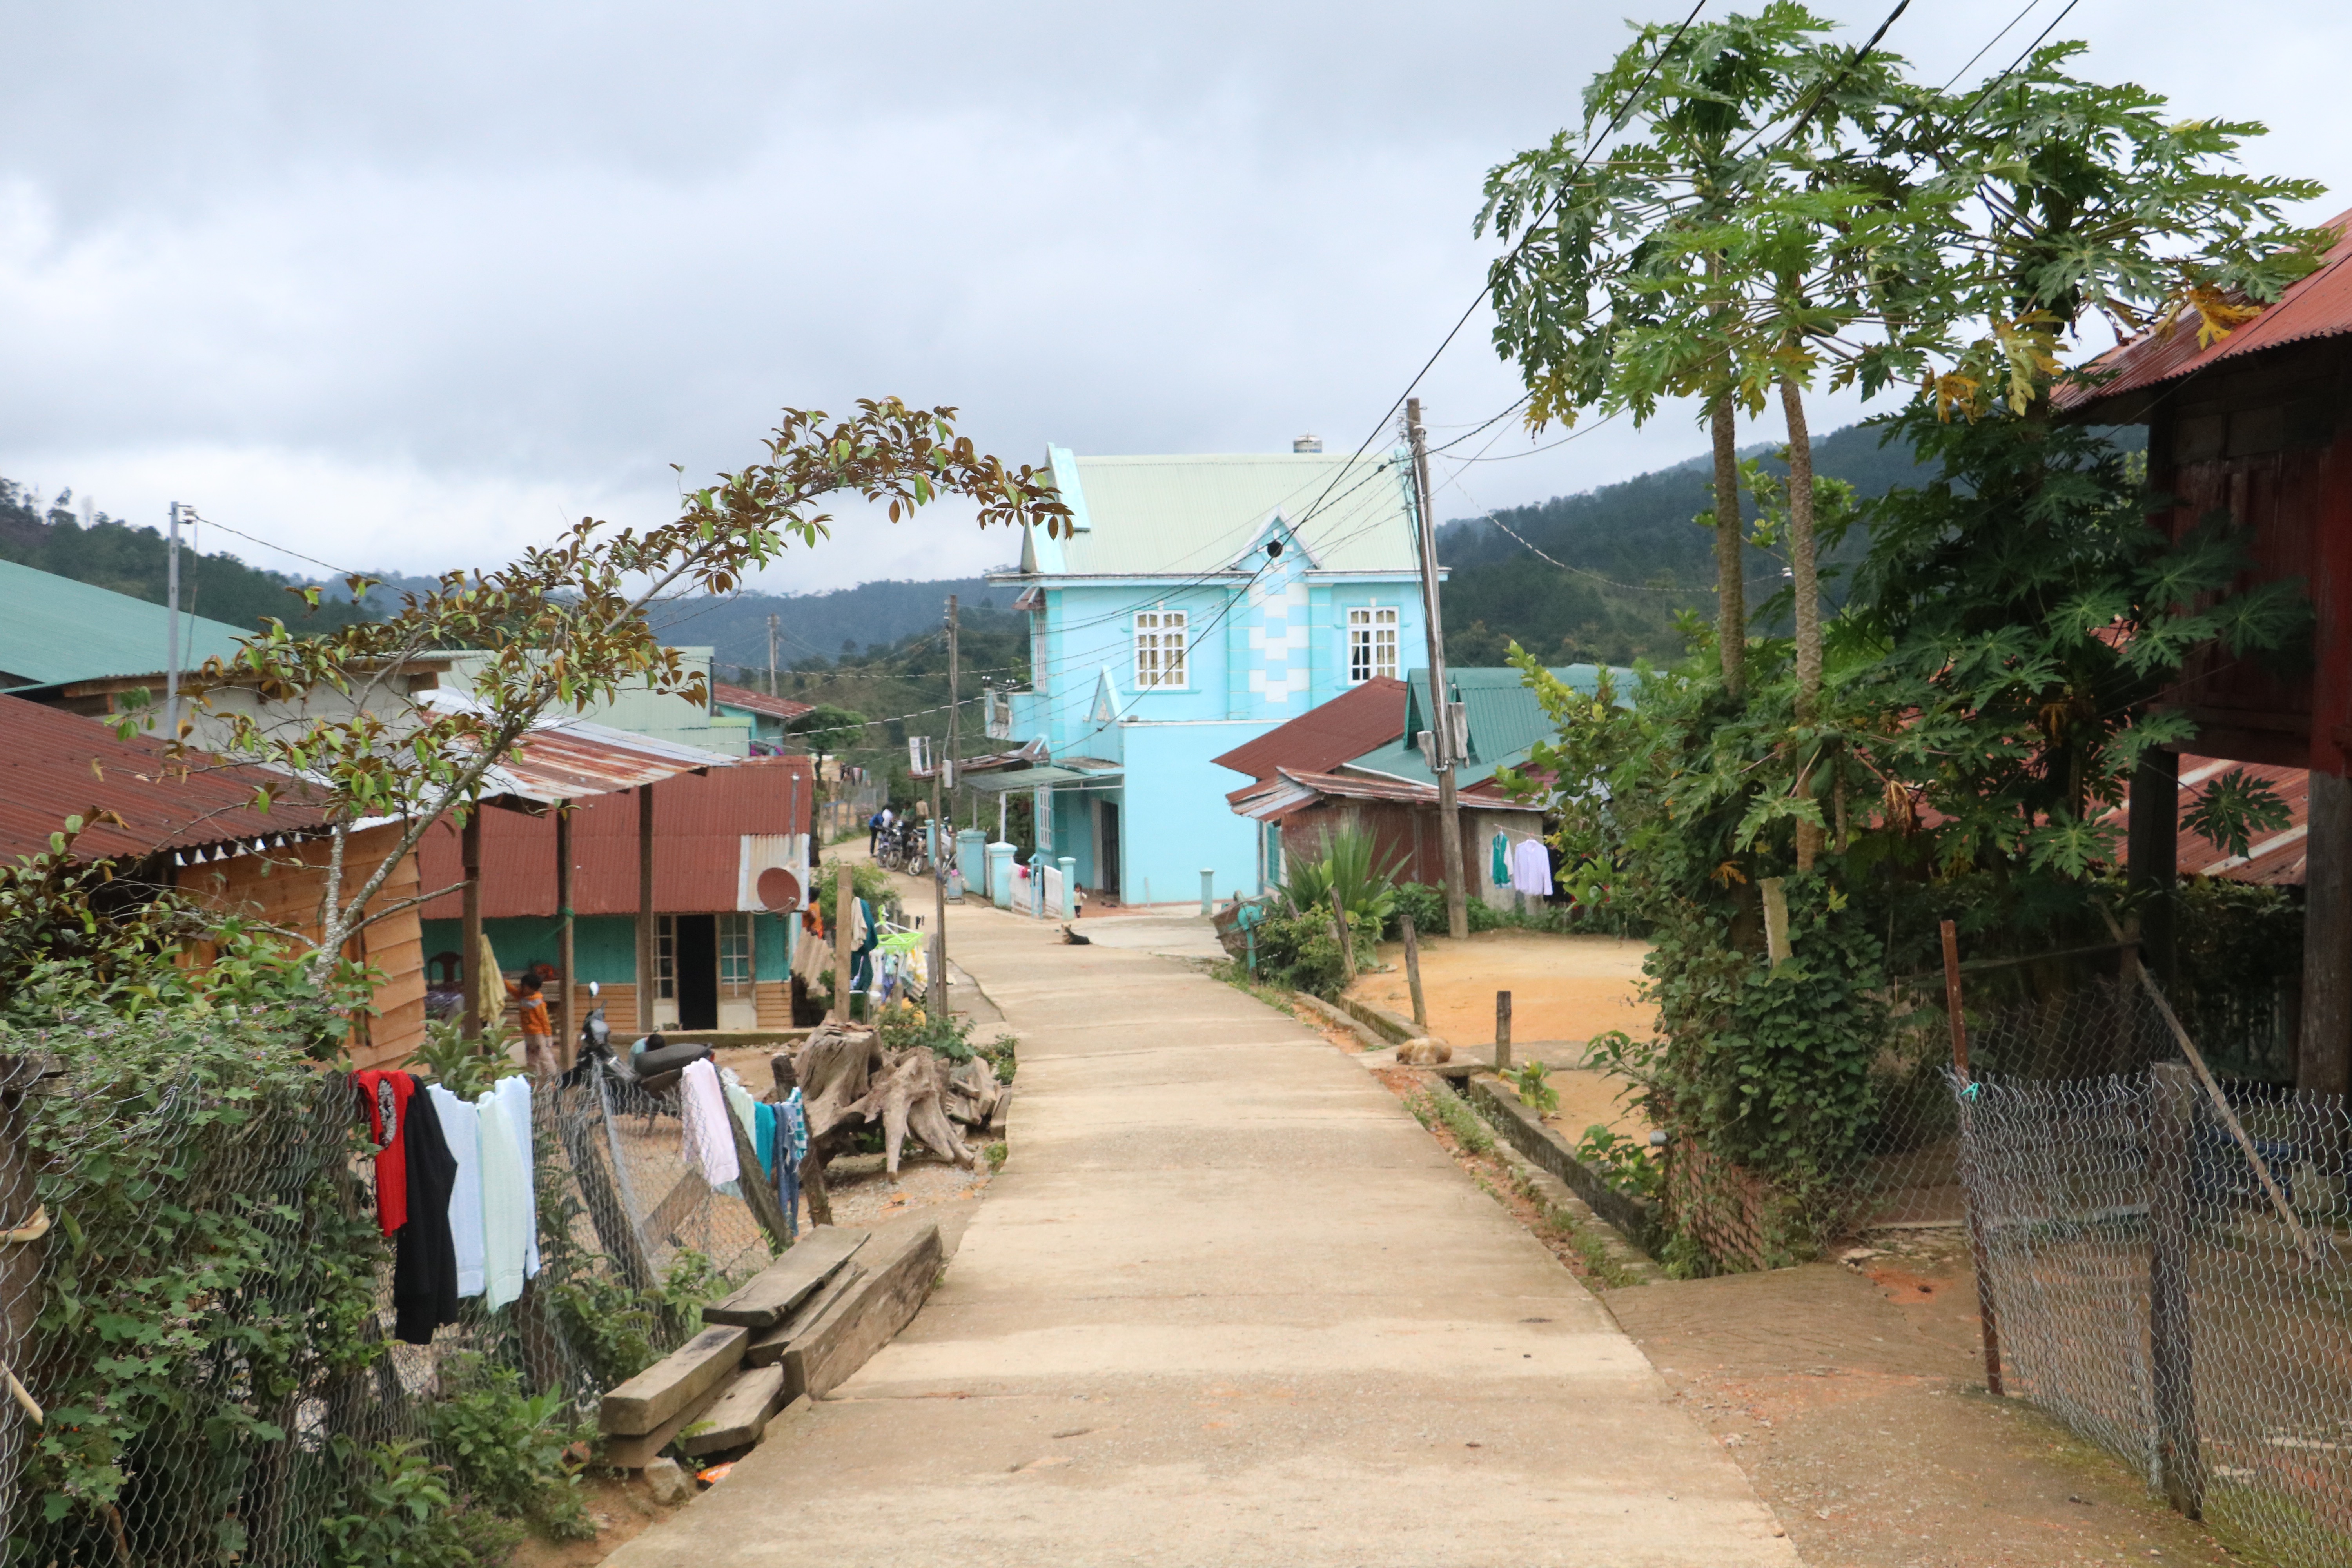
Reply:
x=1227, y=1304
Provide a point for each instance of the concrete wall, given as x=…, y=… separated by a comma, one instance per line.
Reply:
x=604, y=947
x=1176, y=820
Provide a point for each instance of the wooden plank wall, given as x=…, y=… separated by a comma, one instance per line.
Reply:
x=283, y=886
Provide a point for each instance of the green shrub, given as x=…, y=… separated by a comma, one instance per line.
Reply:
x=1302, y=952
x=1533, y=1083
x=463, y=1067
x=506, y=1449
x=396, y=1511
x=1626, y=1163
x=1425, y=902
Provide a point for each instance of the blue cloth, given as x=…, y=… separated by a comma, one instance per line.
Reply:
x=763, y=1134
x=861, y=959
x=790, y=1134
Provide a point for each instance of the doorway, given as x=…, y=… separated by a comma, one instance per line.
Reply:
x=1106, y=862
x=698, y=972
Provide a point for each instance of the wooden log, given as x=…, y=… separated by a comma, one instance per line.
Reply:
x=869, y=1315
x=678, y=1205
x=772, y=1293
x=759, y=1191
x=673, y=1383
x=635, y=1451
x=738, y=1417
x=769, y=1348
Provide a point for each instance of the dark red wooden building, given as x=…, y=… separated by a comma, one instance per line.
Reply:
x=2258, y=426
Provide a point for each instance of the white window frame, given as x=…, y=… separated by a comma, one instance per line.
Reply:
x=1162, y=650
x=1372, y=643
x=738, y=957
x=665, y=958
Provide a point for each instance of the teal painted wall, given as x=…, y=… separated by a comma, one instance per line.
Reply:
x=1176, y=820
x=604, y=947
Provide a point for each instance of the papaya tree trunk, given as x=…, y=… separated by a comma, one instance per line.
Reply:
x=1730, y=586
x=1806, y=584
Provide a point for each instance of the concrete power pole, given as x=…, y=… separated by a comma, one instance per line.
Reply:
x=1446, y=743
x=171, y=632
x=943, y=838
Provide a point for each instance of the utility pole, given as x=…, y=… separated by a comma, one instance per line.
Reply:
x=772, y=655
x=943, y=838
x=171, y=632
x=1445, y=742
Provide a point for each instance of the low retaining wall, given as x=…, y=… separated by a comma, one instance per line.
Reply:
x=1638, y=1219
x=1390, y=1027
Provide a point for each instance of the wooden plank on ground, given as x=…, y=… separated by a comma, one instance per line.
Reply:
x=635, y=1452
x=769, y=1348
x=775, y=1290
x=673, y=1383
x=867, y=1315
x=738, y=1415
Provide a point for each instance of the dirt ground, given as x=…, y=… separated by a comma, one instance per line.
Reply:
x=1852, y=1393
x=1564, y=990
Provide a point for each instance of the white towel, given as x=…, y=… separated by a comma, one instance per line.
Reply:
x=1531, y=868
x=502, y=1204
x=702, y=1108
x=461, y=1129
x=514, y=1096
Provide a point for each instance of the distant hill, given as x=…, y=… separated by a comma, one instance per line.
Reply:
x=814, y=630
x=112, y=554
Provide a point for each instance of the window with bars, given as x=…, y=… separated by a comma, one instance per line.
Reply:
x=666, y=957
x=1371, y=644
x=735, y=967
x=1159, y=649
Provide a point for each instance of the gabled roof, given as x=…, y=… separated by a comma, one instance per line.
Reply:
x=725, y=696
x=1186, y=516
x=54, y=629
x=54, y=765
x=1354, y=723
x=2319, y=306
x=1504, y=720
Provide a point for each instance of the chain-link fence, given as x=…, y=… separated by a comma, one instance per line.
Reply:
x=196, y=1298
x=1906, y=1166
x=2154, y=1291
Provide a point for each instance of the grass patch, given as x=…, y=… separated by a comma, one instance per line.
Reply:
x=996, y=1154
x=1236, y=974
x=1432, y=1106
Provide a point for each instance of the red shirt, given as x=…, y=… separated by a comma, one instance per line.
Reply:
x=384, y=1094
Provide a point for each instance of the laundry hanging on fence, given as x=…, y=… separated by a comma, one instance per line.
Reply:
x=792, y=1148
x=461, y=1129
x=742, y=1107
x=1502, y=872
x=383, y=1095
x=1531, y=868
x=424, y=1257
x=514, y=1094
x=502, y=1203
x=702, y=1112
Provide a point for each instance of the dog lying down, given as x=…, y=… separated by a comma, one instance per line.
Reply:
x=1075, y=940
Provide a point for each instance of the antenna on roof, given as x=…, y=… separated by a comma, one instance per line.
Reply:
x=1306, y=443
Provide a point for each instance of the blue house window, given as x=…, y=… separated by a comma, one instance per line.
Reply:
x=1371, y=645
x=1159, y=649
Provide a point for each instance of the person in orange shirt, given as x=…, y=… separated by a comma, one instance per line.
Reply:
x=538, y=1034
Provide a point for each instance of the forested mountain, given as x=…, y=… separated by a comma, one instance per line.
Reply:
x=112, y=554
x=1634, y=555
x=814, y=630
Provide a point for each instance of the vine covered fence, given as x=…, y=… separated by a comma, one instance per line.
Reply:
x=197, y=1302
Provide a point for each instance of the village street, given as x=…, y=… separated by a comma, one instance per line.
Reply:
x=1226, y=1303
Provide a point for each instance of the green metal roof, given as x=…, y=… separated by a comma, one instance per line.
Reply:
x=54, y=629
x=1504, y=720
x=1175, y=516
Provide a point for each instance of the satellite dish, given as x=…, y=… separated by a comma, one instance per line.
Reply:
x=780, y=890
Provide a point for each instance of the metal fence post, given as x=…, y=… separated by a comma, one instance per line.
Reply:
x=2171, y=1104
x=1988, y=1306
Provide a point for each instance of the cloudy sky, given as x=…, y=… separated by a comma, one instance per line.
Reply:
x=408, y=287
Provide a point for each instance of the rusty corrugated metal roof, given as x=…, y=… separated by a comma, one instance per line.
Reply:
x=2274, y=859
x=699, y=824
x=758, y=701
x=2319, y=306
x=564, y=757
x=54, y=765
x=1288, y=790
x=1356, y=720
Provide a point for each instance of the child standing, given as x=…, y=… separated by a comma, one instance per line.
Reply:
x=538, y=1034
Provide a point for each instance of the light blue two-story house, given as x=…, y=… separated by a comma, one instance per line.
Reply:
x=1193, y=603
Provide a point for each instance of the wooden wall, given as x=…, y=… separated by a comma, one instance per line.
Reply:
x=282, y=887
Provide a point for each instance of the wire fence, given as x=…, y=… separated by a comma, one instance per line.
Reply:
x=2156, y=1295
x=196, y=1299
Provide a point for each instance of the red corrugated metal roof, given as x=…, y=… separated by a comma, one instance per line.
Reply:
x=2275, y=858
x=2319, y=306
x=699, y=823
x=759, y=701
x=54, y=765
x=1339, y=731
x=564, y=757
